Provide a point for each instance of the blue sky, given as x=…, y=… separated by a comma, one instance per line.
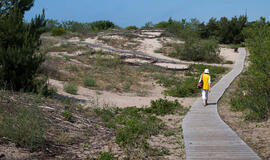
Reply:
x=138, y=12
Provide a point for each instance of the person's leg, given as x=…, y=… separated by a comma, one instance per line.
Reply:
x=204, y=97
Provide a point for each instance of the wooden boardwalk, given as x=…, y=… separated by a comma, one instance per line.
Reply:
x=206, y=135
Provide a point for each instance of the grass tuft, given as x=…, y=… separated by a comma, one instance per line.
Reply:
x=71, y=88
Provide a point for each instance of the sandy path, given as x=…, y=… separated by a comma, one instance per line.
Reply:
x=105, y=98
x=147, y=50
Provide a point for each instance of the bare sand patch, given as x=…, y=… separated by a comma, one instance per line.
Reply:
x=104, y=98
x=228, y=54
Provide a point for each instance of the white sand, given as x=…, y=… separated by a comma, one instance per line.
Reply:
x=228, y=54
x=105, y=98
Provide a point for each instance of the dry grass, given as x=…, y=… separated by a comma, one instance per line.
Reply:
x=107, y=70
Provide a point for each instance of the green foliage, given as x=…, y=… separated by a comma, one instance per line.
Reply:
x=163, y=107
x=59, y=31
x=7, y=5
x=183, y=87
x=19, y=42
x=52, y=24
x=89, y=81
x=133, y=125
x=73, y=26
x=200, y=50
x=131, y=28
x=137, y=127
x=255, y=83
x=181, y=29
x=225, y=30
x=101, y=25
x=106, y=156
x=228, y=62
x=67, y=114
x=24, y=126
x=70, y=88
x=148, y=25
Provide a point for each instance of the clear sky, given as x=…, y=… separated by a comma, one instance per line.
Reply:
x=138, y=12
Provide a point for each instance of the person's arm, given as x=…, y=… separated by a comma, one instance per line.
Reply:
x=200, y=78
x=209, y=82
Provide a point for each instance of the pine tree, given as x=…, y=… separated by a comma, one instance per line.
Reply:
x=19, y=43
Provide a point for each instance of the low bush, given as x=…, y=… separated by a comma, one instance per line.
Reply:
x=133, y=125
x=131, y=28
x=200, y=50
x=89, y=81
x=58, y=31
x=186, y=89
x=67, y=114
x=163, y=107
x=24, y=126
x=70, y=88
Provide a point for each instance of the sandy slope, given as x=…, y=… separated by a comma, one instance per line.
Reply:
x=104, y=98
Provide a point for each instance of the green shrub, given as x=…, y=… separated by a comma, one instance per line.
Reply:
x=200, y=50
x=185, y=89
x=24, y=126
x=71, y=88
x=101, y=25
x=67, y=114
x=58, y=31
x=133, y=124
x=131, y=28
x=163, y=107
x=255, y=84
x=89, y=81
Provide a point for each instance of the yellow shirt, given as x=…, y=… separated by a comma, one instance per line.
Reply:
x=206, y=81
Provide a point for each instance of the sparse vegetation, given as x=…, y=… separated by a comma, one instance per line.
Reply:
x=52, y=126
x=71, y=88
x=135, y=125
x=25, y=126
x=89, y=81
x=106, y=156
x=184, y=87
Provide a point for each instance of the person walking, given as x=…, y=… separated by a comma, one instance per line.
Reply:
x=206, y=79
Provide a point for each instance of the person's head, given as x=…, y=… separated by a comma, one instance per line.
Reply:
x=206, y=71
